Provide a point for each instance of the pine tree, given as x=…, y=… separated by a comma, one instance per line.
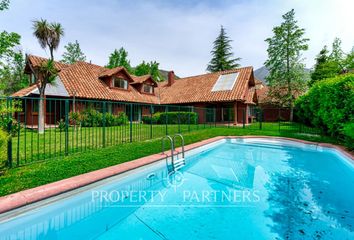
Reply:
x=222, y=54
x=73, y=53
x=119, y=58
x=287, y=77
x=324, y=67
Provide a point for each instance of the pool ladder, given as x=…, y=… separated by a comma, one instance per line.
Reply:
x=176, y=162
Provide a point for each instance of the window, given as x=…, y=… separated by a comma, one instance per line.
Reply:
x=148, y=89
x=32, y=78
x=120, y=83
x=225, y=82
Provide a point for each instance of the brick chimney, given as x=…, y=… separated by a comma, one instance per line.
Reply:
x=171, y=78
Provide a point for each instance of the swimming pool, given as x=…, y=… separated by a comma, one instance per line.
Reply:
x=230, y=189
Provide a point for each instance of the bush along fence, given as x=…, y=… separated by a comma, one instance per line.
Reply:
x=75, y=125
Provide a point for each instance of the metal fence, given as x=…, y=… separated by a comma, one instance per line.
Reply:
x=76, y=125
x=274, y=119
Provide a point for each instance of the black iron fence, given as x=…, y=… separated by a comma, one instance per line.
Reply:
x=76, y=125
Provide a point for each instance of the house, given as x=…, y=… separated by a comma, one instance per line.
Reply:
x=231, y=93
x=271, y=111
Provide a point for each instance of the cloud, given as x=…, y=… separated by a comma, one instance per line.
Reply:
x=179, y=34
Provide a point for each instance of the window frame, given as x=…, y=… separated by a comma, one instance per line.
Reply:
x=125, y=83
x=151, y=89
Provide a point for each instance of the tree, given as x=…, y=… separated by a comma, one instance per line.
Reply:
x=155, y=72
x=119, y=58
x=7, y=42
x=48, y=35
x=337, y=54
x=4, y=4
x=12, y=76
x=286, y=69
x=142, y=69
x=222, y=54
x=73, y=53
x=151, y=68
x=324, y=67
x=349, y=60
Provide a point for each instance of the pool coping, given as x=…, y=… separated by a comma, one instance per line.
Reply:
x=29, y=196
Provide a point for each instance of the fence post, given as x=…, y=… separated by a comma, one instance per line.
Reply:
x=243, y=117
x=131, y=123
x=151, y=111
x=166, y=118
x=9, y=126
x=104, y=110
x=66, y=127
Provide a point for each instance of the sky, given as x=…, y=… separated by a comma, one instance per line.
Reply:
x=179, y=34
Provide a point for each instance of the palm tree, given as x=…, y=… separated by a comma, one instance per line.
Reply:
x=48, y=35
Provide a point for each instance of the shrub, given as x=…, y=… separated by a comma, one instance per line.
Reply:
x=329, y=104
x=61, y=125
x=7, y=112
x=171, y=118
x=122, y=118
x=75, y=118
x=4, y=137
x=92, y=118
x=348, y=132
x=15, y=126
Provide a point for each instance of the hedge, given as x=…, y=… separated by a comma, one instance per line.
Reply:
x=329, y=105
x=172, y=118
x=93, y=118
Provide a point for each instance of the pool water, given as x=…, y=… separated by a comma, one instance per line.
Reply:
x=234, y=189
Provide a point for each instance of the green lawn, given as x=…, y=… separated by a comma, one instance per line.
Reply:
x=39, y=173
x=29, y=146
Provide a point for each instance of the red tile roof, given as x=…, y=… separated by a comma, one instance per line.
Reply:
x=24, y=91
x=83, y=80
x=198, y=88
x=142, y=79
x=250, y=95
x=37, y=61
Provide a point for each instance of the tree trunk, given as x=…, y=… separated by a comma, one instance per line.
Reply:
x=41, y=114
x=51, y=54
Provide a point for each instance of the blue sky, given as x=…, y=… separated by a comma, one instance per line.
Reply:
x=179, y=34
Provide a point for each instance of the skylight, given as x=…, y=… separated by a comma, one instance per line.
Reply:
x=225, y=82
